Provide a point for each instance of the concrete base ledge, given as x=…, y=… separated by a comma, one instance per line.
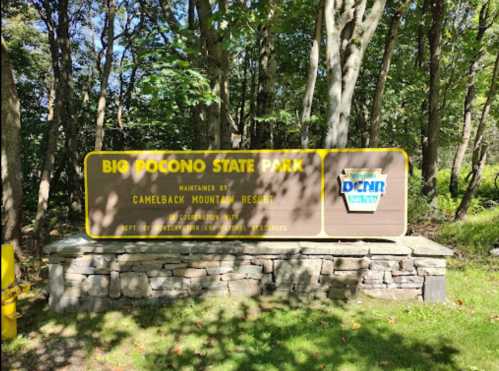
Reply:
x=96, y=275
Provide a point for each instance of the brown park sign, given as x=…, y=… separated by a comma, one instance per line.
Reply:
x=339, y=193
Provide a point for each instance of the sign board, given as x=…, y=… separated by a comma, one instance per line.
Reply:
x=339, y=193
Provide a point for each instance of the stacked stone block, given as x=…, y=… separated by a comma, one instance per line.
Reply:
x=96, y=275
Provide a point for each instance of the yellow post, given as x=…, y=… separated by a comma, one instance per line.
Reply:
x=9, y=325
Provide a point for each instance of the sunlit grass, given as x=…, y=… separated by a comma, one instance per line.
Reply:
x=278, y=334
x=477, y=234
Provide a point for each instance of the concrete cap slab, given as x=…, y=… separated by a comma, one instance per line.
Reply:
x=358, y=248
x=422, y=246
x=387, y=248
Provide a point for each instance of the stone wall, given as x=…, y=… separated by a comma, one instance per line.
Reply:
x=96, y=275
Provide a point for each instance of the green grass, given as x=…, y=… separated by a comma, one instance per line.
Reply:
x=273, y=334
x=476, y=235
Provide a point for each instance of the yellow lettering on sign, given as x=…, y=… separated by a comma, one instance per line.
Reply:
x=282, y=166
x=170, y=166
x=157, y=199
x=256, y=199
x=233, y=165
x=114, y=166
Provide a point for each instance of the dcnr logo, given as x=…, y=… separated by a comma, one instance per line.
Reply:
x=362, y=188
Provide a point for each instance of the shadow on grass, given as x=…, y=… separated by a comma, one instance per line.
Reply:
x=249, y=334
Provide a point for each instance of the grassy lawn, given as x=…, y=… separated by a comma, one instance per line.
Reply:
x=472, y=237
x=289, y=334
x=477, y=234
x=271, y=333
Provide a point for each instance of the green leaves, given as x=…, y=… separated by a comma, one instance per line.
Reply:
x=170, y=87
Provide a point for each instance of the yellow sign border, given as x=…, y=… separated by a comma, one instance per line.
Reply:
x=322, y=153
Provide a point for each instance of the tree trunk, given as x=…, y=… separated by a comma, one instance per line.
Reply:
x=480, y=147
x=480, y=136
x=251, y=135
x=12, y=186
x=55, y=105
x=229, y=131
x=190, y=14
x=468, y=101
x=313, y=66
x=241, y=126
x=420, y=55
x=333, y=63
x=474, y=183
x=349, y=31
x=391, y=40
x=265, y=92
x=46, y=174
x=214, y=61
x=101, y=105
x=463, y=144
x=430, y=155
x=66, y=114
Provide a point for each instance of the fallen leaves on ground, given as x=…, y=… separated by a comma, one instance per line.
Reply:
x=177, y=350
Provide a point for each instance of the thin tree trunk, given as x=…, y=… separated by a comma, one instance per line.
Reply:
x=244, y=88
x=101, y=105
x=430, y=155
x=474, y=183
x=313, y=66
x=210, y=39
x=480, y=136
x=362, y=115
x=120, y=105
x=420, y=55
x=190, y=14
x=229, y=131
x=48, y=167
x=391, y=41
x=468, y=101
x=265, y=78
x=251, y=136
x=12, y=186
x=465, y=137
x=238, y=139
x=66, y=114
x=56, y=102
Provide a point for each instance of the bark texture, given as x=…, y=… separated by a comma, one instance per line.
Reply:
x=390, y=42
x=313, y=66
x=469, y=99
x=430, y=153
x=480, y=148
x=220, y=122
x=12, y=186
x=476, y=174
x=481, y=130
x=264, y=128
x=47, y=170
x=66, y=109
x=350, y=27
x=106, y=71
